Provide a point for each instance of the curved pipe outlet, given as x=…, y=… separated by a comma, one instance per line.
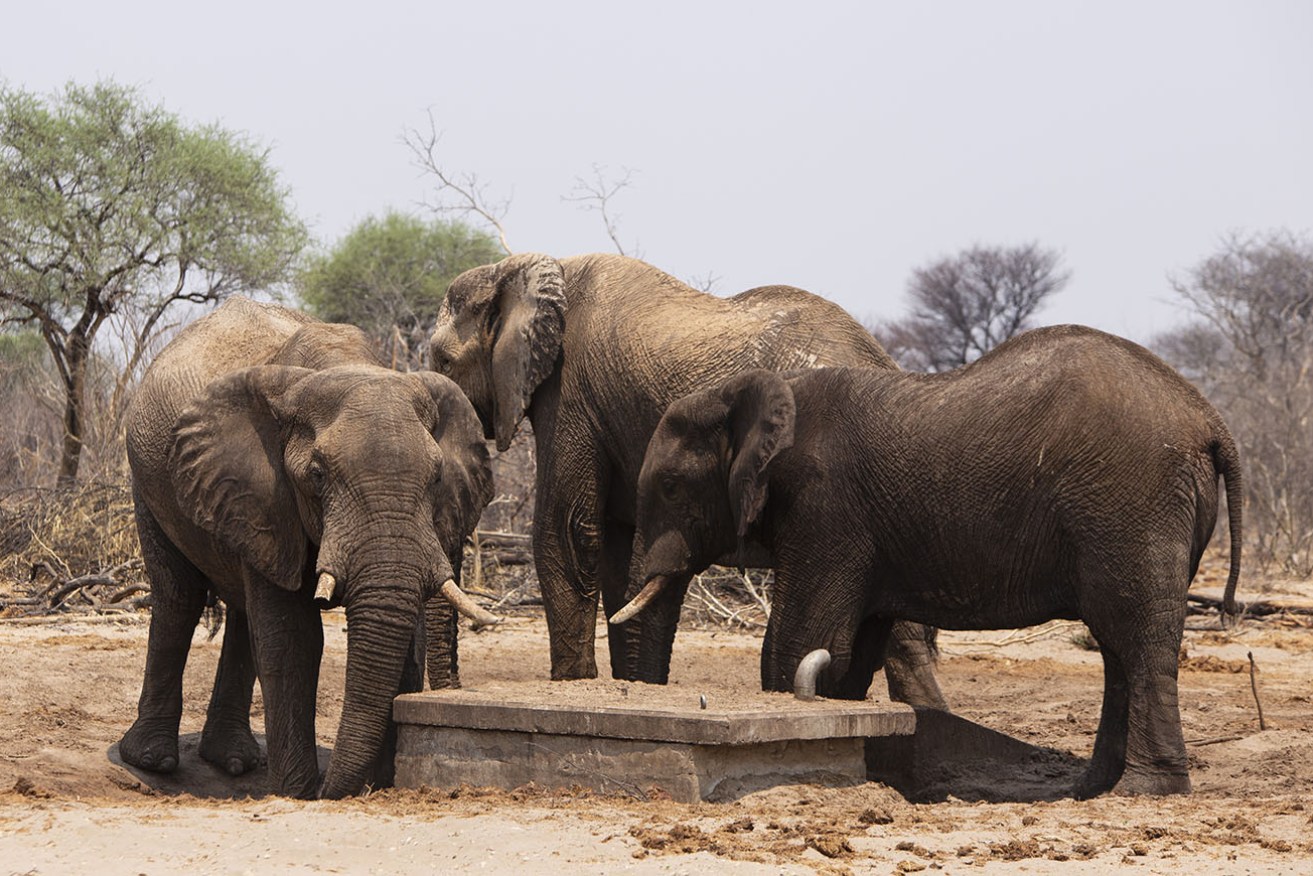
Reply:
x=467, y=606
x=645, y=596
x=804, y=679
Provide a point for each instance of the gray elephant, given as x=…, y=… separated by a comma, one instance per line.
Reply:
x=591, y=349
x=278, y=467
x=1066, y=474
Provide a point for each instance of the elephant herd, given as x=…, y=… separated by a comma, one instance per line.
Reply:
x=280, y=468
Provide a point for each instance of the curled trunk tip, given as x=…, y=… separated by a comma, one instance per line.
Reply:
x=804, y=679
x=645, y=596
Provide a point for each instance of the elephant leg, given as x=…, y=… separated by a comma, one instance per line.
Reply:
x=289, y=642
x=440, y=633
x=1156, y=762
x=567, y=553
x=1110, y=740
x=227, y=741
x=870, y=645
x=177, y=599
x=1145, y=638
x=909, y=666
x=613, y=582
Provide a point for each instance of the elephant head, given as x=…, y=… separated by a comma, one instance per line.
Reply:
x=358, y=477
x=499, y=335
x=704, y=479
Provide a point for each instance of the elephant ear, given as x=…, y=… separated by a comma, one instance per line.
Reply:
x=531, y=326
x=227, y=465
x=466, y=471
x=761, y=416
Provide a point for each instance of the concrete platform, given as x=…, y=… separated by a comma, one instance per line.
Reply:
x=654, y=739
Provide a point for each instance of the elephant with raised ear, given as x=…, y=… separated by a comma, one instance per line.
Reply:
x=1066, y=474
x=591, y=349
x=277, y=466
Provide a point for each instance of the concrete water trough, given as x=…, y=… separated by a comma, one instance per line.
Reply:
x=635, y=738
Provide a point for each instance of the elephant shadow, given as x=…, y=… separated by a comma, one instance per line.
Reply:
x=950, y=756
x=197, y=778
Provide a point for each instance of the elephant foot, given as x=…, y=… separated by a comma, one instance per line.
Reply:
x=231, y=749
x=151, y=745
x=1155, y=784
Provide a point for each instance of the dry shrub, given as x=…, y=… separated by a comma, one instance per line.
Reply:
x=64, y=534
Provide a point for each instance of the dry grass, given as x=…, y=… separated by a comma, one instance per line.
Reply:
x=69, y=548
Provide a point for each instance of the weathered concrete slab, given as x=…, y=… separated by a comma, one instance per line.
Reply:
x=480, y=738
x=766, y=722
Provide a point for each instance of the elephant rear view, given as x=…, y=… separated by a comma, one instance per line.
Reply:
x=1066, y=474
x=278, y=467
x=592, y=349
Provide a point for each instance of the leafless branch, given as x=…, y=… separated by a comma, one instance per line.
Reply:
x=597, y=194
x=469, y=194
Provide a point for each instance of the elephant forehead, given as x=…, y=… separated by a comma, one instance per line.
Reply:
x=470, y=286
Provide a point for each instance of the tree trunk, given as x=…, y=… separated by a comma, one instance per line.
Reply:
x=74, y=405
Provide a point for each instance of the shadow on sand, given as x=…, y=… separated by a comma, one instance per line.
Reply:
x=951, y=756
x=200, y=779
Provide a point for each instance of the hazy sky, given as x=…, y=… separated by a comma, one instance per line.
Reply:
x=834, y=146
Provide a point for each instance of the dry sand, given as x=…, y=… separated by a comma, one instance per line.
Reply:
x=68, y=690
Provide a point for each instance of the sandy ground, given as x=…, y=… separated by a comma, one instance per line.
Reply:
x=68, y=690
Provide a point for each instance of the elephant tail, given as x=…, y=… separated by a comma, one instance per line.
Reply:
x=1226, y=460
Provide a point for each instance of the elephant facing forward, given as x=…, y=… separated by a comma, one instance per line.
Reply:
x=591, y=349
x=278, y=467
x=1066, y=474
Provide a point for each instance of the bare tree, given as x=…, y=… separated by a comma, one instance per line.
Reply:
x=597, y=194
x=458, y=193
x=965, y=305
x=1250, y=350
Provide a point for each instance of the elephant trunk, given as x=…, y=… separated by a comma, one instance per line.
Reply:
x=381, y=625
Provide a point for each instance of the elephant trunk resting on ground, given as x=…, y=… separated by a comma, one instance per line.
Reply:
x=592, y=349
x=277, y=466
x=1066, y=474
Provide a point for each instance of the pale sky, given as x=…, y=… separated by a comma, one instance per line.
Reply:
x=834, y=146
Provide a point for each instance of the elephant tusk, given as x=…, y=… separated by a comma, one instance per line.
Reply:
x=804, y=679
x=649, y=592
x=325, y=589
x=466, y=606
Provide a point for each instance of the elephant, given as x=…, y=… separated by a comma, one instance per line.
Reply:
x=277, y=466
x=1067, y=473
x=591, y=349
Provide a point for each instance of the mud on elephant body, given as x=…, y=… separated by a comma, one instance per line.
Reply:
x=1066, y=474
x=272, y=455
x=592, y=349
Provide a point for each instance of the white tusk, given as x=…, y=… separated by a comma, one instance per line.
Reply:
x=327, y=585
x=467, y=606
x=649, y=592
x=804, y=679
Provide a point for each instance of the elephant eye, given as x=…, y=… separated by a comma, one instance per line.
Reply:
x=318, y=476
x=669, y=488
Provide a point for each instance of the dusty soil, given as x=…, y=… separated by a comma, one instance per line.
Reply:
x=68, y=690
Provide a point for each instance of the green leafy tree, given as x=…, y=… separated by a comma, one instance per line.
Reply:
x=388, y=276
x=113, y=208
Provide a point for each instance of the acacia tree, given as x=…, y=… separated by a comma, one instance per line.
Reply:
x=1250, y=349
x=388, y=276
x=964, y=306
x=111, y=207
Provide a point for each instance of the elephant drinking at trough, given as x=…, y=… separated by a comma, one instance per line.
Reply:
x=591, y=349
x=278, y=467
x=1066, y=474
